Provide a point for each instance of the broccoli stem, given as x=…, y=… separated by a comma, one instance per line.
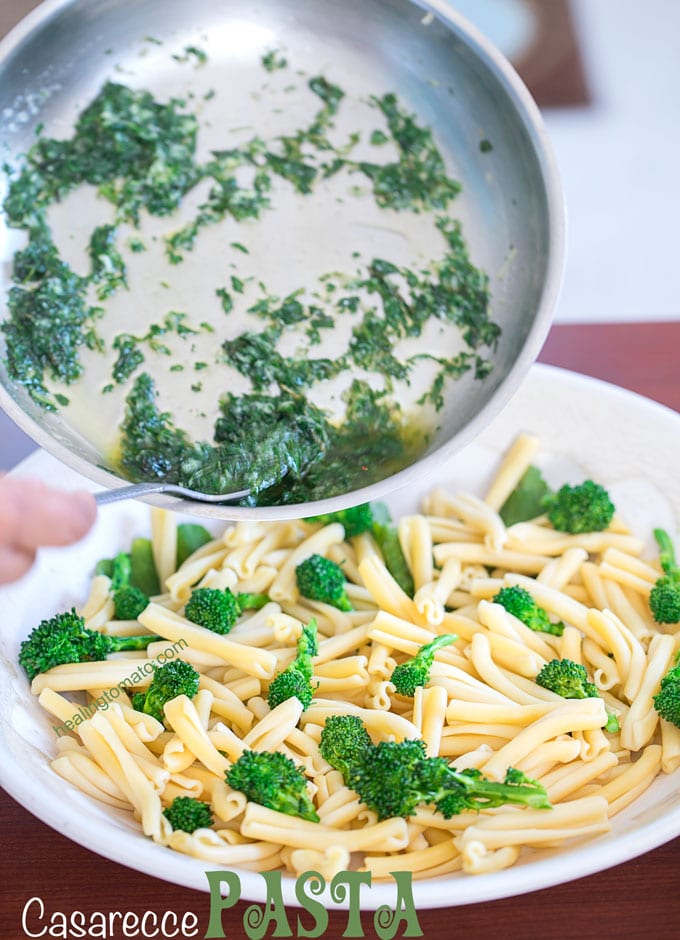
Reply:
x=667, y=558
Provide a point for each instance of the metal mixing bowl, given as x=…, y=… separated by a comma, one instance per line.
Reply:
x=55, y=61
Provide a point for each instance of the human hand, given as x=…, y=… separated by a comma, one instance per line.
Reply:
x=32, y=515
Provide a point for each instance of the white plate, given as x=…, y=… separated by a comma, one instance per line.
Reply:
x=626, y=442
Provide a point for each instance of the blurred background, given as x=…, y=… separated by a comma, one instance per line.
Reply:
x=606, y=76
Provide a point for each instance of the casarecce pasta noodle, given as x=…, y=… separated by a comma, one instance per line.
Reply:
x=480, y=708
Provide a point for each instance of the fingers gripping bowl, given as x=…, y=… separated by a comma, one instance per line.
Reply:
x=485, y=130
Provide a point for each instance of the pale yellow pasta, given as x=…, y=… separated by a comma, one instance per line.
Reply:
x=566, y=780
x=345, y=555
x=432, y=595
x=481, y=518
x=163, y=542
x=185, y=721
x=636, y=777
x=477, y=859
x=502, y=623
x=619, y=604
x=488, y=670
x=384, y=590
x=262, y=823
x=514, y=465
x=415, y=539
x=110, y=754
x=382, y=724
x=98, y=600
x=530, y=537
x=570, y=715
x=180, y=583
x=570, y=820
x=275, y=727
x=81, y=771
x=478, y=554
x=641, y=721
x=480, y=706
x=218, y=848
x=416, y=861
x=670, y=746
x=560, y=571
x=284, y=586
x=97, y=675
x=166, y=623
x=226, y=704
x=429, y=714
x=327, y=861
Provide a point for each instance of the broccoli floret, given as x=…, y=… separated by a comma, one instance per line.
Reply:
x=272, y=780
x=296, y=679
x=251, y=601
x=343, y=741
x=65, y=639
x=213, y=609
x=394, y=777
x=188, y=814
x=664, y=598
x=320, y=579
x=667, y=699
x=129, y=602
x=570, y=680
x=415, y=672
x=519, y=602
x=128, y=599
x=567, y=678
x=170, y=680
x=355, y=519
x=582, y=508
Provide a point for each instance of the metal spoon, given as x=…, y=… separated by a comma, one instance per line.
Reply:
x=146, y=489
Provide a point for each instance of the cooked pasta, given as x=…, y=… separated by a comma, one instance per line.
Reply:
x=479, y=708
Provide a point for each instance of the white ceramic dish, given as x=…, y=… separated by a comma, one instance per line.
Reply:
x=626, y=442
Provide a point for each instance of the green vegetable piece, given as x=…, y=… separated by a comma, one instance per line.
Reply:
x=582, y=508
x=169, y=680
x=664, y=598
x=247, y=601
x=408, y=676
x=272, y=780
x=570, y=680
x=343, y=742
x=321, y=579
x=188, y=814
x=519, y=602
x=387, y=537
x=354, y=519
x=527, y=500
x=295, y=680
x=104, y=566
x=121, y=571
x=667, y=699
x=190, y=537
x=143, y=574
x=394, y=777
x=129, y=602
x=65, y=639
x=213, y=609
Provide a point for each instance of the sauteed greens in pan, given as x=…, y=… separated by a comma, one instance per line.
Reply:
x=141, y=155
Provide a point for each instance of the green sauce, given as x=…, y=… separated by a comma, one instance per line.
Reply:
x=141, y=156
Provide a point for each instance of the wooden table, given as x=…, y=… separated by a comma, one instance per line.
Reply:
x=639, y=899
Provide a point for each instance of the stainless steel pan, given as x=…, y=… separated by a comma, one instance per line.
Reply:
x=56, y=60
